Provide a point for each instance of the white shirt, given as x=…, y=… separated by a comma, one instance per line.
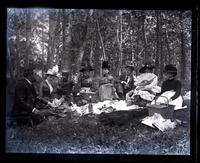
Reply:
x=50, y=86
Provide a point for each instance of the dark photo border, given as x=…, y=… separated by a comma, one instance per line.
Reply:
x=105, y=4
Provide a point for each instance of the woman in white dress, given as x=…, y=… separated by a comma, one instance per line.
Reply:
x=146, y=86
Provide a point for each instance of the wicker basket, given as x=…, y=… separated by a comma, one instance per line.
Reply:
x=165, y=110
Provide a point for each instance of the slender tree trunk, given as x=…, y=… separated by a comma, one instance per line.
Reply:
x=157, y=40
x=119, y=42
x=17, y=53
x=144, y=37
x=161, y=59
x=101, y=39
x=168, y=48
x=42, y=51
x=28, y=33
x=137, y=44
x=183, y=52
x=50, y=42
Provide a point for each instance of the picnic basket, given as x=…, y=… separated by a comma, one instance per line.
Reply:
x=165, y=110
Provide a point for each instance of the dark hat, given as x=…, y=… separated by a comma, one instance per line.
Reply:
x=28, y=71
x=147, y=65
x=105, y=65
x=88, y=68
x=170, y=69
x=130, y=65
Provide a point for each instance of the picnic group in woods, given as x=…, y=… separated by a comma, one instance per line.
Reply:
x=82, y=88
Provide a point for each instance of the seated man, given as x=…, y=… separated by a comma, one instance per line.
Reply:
x=125, y=82
x=107, y=90
x=66, y=86
x=146, y=87
x=25, y=103
x=85, y=86
x=171, y=88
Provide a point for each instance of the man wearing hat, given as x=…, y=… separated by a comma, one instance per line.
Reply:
x=171, y=88
x=25, y=103
x=86, y=79
x=107, y=90
x=84, y=86
x=146, y=86
x=126, y=81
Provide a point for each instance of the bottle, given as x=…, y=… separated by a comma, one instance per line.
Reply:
x=90, y=106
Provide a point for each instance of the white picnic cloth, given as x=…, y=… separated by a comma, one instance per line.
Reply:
x=157, y=121
x=117, y=105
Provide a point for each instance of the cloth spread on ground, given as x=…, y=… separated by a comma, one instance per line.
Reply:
x=157, y=121
x=100, y=107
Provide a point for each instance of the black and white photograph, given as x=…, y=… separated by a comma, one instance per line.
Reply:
x=98, y=81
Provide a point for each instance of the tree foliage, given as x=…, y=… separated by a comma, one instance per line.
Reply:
x=71, y=38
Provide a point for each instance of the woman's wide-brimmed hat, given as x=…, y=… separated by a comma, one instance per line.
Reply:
x=147, y=65
x=170, y=69
x=53, y=72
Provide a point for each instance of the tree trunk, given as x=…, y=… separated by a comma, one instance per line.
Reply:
x=183, y=52
x=53, y=36
x=157, y=41
x=144, y=37
x=168, y=56
x=101, y=39
x=28, y=35
x=50, y=43
x=66, y=41
x=137, y=45
x=17, y=53
x=119, y=42
x=83, y=36
x=161, y=59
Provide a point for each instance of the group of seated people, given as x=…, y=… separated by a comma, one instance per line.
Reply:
x=140, y=90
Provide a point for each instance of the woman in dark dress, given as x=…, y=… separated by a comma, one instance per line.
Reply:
x=171, y=88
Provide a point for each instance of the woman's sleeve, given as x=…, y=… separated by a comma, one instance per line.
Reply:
x=177, y=90
x=153, y=83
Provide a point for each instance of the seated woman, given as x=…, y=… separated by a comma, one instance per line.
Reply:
x=171, y=88
x=48, y=87
x=106, y=84
x=146, y=86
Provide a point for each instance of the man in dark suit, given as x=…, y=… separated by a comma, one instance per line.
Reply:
x=25, y=109
x=126, y=81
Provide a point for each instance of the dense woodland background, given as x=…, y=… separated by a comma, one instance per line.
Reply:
x=71, y=38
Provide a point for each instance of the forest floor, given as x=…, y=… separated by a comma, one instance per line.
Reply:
x=86, y=134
